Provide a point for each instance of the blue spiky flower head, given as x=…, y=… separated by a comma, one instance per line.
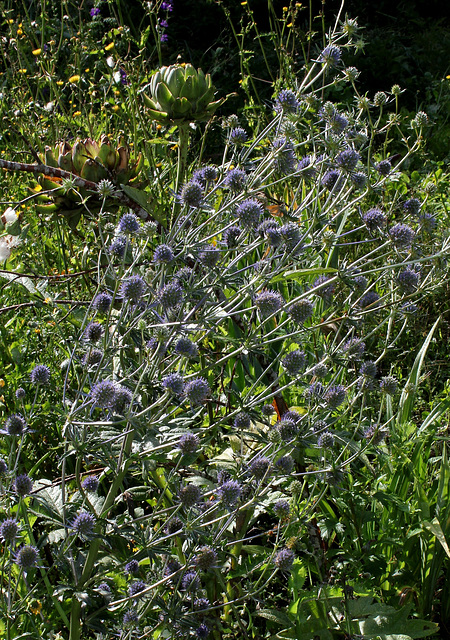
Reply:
x=412, y=206
x=287, y=428
x=187, y=348
x=83, y=524
x=122, y=400
x=285, y=465
x=188, y=443
x=130, y=618
x=331, y=55
x=236, y=179
x=294, y=362
x=291, y=237
x=348, y=159
x=269, y=302
x=27, y=557
x=202, y=632
x=402, y=235
x=40, y=374
x=132, y=567
x=384, y=167
x=370, y=300
x=354, y=348
x=102, y=302
x=192, y=194
x=118, y=247
x=231, y=235
x=238, y=136
x=209, y=256
x=93, y=332
x=359, y=179
x=90, y=484
x=334, y=396
x=128, y=224
x=408, y=280
x=9, y=529
x=133, y=288
x=103, y=394
x=174, y=383
x=301, y=310
x=249, y=212
x=171, y=295
x=368, y=369
x=331, y=178
x=285, y=159
x=20, y=393
x=136, y=588
x=230, y=492
x=286, y=101
x=190, y=582
x=197, y=390
x=389, y=385
x=15, y=425
x=281, y=508
x=284, y=559
x=267, y=410
x=326, y=440
x=209, y=173
x=205, y=559
x=242, y=420
x=190, y=495
x=23, y=485
x=163, y=254
x=259, y=467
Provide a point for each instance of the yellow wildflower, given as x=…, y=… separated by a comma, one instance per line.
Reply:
x=36, y=52
x=75, y=78
x=109, y=46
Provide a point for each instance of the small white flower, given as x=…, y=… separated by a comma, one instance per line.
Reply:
x=7, y=243
x=10, y=215
x=5, y=251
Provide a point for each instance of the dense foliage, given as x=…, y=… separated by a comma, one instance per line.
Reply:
x=224, y=377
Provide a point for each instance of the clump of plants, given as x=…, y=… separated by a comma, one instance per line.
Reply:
x=222, y=382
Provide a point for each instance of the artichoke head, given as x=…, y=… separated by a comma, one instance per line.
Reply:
x=180, y=94
x=92, y=160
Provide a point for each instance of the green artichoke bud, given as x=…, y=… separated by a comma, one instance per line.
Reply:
x=92, y=160
x=180, y=94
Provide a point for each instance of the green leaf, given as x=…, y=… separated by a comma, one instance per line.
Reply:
x=435, y=528
x=276, y=616
x=297, y=274
x=406, y=403
x=141, y=198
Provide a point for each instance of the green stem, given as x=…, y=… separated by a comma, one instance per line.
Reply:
x=235, y=552
x=75, y=616
x=49, y=587
x=183, y=144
